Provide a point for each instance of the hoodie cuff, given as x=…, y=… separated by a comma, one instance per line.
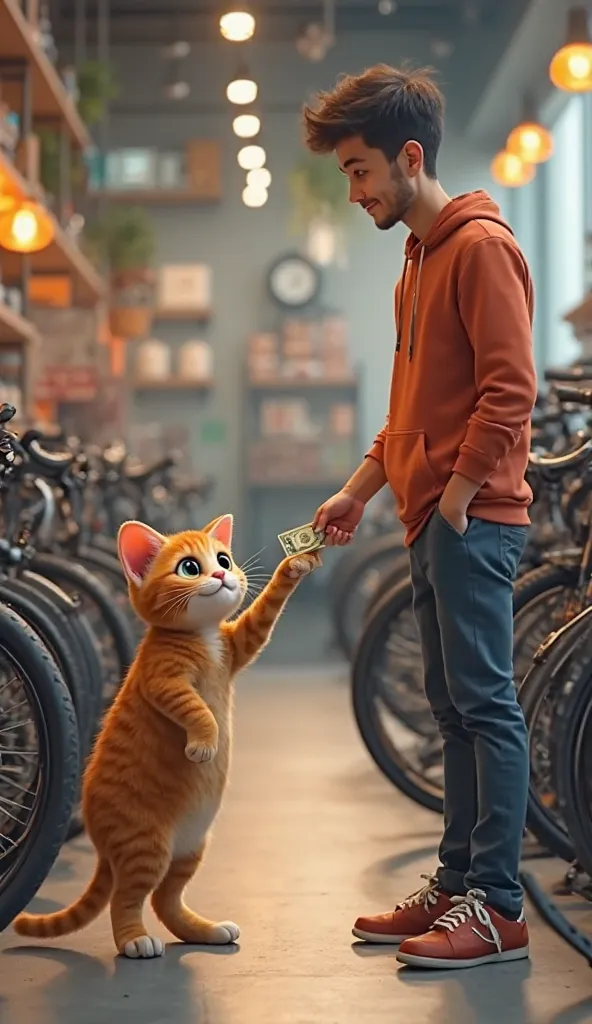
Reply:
x=475, y=465
x=376, y=452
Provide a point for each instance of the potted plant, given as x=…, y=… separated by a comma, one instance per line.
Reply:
x=320, y=205
x=123, y=243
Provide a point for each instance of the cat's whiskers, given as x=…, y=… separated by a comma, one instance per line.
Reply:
x=252, y=558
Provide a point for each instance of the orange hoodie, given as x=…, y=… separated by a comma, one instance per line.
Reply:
x=464, y=382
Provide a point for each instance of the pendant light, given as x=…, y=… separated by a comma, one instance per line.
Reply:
x=242, y=90
x=509, y=170
x=238, y=24
x=27, y=227
x=530, y=140
x=254, y=196
x=246, y=126
x=259, y=177
x=571, y=67
x=251, y=158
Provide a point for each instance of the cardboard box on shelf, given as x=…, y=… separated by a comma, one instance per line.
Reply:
x=203, y=168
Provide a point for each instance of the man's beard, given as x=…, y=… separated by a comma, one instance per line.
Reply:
x=403, y=197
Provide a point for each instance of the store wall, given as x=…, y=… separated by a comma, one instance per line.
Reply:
x=240, y=243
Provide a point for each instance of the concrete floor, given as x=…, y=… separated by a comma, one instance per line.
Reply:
x=310, y=836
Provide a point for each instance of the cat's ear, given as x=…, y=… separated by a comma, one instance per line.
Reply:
x=221, y=529
x=138, y=545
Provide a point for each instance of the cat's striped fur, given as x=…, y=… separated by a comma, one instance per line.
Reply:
x=155, y=780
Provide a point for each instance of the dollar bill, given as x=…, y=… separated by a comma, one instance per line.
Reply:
x=301, y=539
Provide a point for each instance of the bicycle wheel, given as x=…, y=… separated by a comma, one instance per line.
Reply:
x=108, y=569
x=39, y=763
x=116, y=641
x=55, y=633
x=353, y=584
x=405, y=748
x=388, y=582
x=540, y=696
x=573, y=753
x=540, y=597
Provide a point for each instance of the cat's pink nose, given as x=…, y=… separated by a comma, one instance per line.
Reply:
x=219, y=574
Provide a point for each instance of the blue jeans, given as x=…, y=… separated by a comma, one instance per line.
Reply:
x=463, y=605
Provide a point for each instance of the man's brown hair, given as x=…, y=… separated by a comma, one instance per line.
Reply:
x=386, y=107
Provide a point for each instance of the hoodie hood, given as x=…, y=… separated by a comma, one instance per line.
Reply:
x=458, y=212
x=471, y=206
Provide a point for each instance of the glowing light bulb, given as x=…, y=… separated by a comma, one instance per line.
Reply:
x=242, y=91
x=259, y=177
x=237, y=26
x=246, y=125
x=251, y=158
x=26, y=227
x=509, y=170
x=531, y=142
x=254, y=197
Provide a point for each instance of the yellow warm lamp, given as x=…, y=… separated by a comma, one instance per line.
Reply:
x=571, y=67
x=7, y=203
x=509, y=170
x=237, y=25
x=531, y=142
x=26, y=227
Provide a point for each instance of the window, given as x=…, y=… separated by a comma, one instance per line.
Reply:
x=564, y=250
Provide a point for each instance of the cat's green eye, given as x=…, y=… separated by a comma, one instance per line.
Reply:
x=188, y=569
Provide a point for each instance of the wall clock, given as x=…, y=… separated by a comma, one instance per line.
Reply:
x=294, y=281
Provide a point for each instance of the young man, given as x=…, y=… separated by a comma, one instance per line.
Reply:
x=454, y=450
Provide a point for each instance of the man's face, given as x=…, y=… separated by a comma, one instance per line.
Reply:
x=383, y=189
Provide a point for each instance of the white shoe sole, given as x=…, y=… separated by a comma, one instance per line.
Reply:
x=377, y=939
x=452, y=965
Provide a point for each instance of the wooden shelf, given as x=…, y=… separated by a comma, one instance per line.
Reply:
x=297, y=383
x=61, y=257
x=197, y=315
x=14, y=327
x=173, y=384
x=155, y=197
x=50, y=99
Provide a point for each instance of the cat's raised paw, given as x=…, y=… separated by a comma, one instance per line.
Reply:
x=224, y=933
x=200, y=752
x=302, y=565
x=145, y=947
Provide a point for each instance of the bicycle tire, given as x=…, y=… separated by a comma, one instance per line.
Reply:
x=103, y=565
x=377, y=553
x=84, y=634
x=383, y=752
x=551, y=833
x=57, y=722
x=399, y=571
x=572, y=761
x=54, y=631
x=73, y=577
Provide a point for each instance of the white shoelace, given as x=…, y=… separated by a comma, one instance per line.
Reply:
x=427, y=896
x=466, y=907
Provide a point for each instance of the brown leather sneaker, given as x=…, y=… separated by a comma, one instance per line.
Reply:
x=414, y=916
x=470, y=934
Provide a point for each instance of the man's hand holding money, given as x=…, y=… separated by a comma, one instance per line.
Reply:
x=338, y=518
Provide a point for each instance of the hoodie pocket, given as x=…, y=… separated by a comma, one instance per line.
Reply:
x=409, y=473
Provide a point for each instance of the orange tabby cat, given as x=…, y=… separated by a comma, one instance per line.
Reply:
x=155, y=780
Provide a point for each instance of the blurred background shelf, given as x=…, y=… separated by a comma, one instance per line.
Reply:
x=172, y=384
x=14, y=327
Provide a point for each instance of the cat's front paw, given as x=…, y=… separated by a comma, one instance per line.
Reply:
x=302, y=565
x=199, y=752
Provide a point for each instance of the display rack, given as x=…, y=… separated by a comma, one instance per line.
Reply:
x=301, y=419
x=32, y=88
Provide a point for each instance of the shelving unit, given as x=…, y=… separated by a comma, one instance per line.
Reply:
x=281, y=493
x=32, y=87
x=199, y=316
x=173, y=384
x=155, y=197
x=49, y=98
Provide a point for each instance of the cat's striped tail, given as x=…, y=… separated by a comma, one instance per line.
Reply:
x=78, y=915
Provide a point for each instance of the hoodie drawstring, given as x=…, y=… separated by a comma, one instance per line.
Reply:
x=414, y=303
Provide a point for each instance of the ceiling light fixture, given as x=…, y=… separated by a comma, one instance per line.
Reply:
x=237, y=25
x=251, y=158
x=242, y=90
x=571, y=66
x=259, y=177
x=254, y=196
x=246, y=126
x=530, y=140
x=26, y=227
x=509, y=170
